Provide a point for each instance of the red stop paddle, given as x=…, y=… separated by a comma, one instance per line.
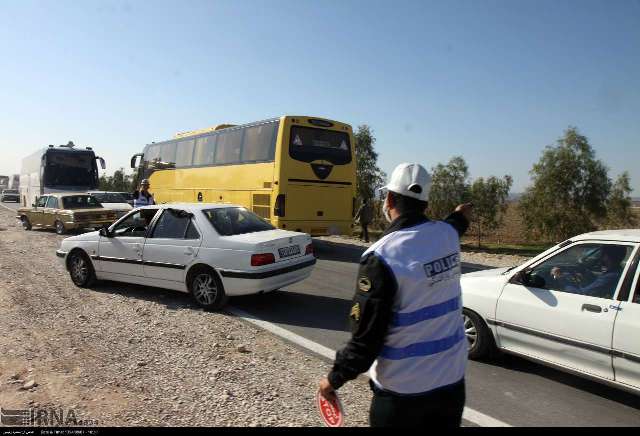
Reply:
x=330, y=412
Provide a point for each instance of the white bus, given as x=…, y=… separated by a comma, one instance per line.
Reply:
x=14, y=183
x=58, y=169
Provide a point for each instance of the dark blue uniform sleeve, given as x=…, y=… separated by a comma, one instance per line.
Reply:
x=458, y=222
x=369, y=317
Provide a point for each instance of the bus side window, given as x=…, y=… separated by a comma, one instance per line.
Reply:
x=258, y=143
x=204, y=150
x=228, y=147
x=184, y=153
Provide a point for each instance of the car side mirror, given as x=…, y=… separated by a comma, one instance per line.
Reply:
x=104, y=231
x=527, y=278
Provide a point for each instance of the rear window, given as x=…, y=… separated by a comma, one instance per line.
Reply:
x=110, y=197
x=230, y=221
x=307, y=144
x=80, y=202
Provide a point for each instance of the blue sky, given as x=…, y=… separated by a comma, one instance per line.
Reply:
x=493, y=81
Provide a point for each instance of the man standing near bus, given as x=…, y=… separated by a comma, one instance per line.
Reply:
x=142, y=197
x=406, y=317
x=365, y=215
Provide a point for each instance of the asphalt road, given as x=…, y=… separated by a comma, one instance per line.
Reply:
x=508, y=388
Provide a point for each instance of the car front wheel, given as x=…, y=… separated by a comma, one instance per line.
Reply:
x=207, y=290
x=479, y=338
x=81, y=270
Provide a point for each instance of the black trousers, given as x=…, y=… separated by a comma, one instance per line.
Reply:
x=440, y=408
x=365, y=232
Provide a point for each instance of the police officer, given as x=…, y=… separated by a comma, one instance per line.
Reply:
x=143, y=197
x=406, y=317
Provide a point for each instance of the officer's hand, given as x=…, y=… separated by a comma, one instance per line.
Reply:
x=327, y=391
x=466, y=209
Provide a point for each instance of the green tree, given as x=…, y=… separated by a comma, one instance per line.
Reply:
x=619, y=213
x=369, y=176
x=104, y=183
x=449, y=187
x=489, y=197
x=569, y=191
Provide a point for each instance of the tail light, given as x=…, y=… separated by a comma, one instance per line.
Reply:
x=278, y=210
x=309, y=249
x=262, y=259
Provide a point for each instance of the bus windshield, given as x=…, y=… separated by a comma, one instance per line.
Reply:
x=71, y=169
x=309, y=143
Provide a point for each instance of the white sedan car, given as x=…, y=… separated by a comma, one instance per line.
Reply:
x=575, y=307
x=209, y=250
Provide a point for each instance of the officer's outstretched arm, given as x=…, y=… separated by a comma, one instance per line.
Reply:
x=369, y=316
x=458, y=221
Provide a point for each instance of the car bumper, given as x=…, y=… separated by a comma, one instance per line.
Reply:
x=87, y=224
x=62, y=257
x=254, y=282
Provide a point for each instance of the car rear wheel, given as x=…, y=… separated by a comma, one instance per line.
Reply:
x=207, y=290
x=479, y=338
x=81, y=270
x=60, y=228
x=26, y=224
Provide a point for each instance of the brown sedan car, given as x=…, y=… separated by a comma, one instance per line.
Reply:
x=65, y=212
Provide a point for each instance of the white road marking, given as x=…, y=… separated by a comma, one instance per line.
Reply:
x=468, y=414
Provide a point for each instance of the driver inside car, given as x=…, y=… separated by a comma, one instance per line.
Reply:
x=602, y=286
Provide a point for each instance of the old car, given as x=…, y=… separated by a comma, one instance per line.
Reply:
x=211, y=251
x=113, y=200
x=64, y=212
x=10, y=195
x=575, y=307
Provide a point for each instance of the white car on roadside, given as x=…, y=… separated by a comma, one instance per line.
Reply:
x=113, y=201
x=211, y=251
x=575, y=307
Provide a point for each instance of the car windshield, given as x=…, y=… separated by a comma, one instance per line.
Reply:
x=80, y=202
x=230, y=221
x=10, y=191
x=109, y=197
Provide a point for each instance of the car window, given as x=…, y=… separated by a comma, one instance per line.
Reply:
x=80, y=202
x=586, y=269
x=235, y=221
x=135, y=225
x=52, y=202
x=42, y=201
x=174, y=224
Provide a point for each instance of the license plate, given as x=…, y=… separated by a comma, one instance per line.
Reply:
x=289, y=251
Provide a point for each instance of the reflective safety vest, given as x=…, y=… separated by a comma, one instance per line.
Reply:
x=142, y=200
x=425, y=347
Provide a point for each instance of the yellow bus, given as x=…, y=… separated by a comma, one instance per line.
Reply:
x=297, y=172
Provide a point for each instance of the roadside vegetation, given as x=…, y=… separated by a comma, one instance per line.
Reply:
x=571, y=193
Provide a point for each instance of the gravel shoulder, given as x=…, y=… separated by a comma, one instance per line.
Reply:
x=132, y=355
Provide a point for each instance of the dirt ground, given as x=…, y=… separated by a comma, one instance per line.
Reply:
x=131, y=355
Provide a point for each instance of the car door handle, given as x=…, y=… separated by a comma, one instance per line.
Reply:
x=592, y=308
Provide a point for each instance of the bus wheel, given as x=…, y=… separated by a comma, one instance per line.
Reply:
x=26, y=224
x=60, y=228
x=206, y=289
